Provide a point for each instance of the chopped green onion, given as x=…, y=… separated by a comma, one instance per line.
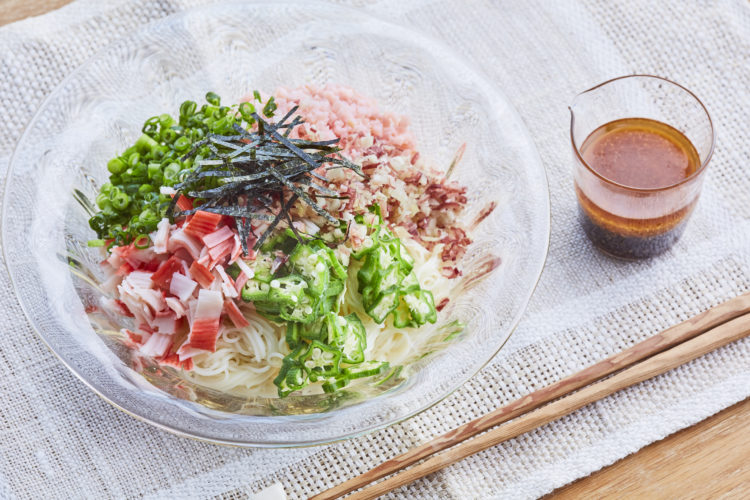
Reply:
x=153, y=169
x=116, y=166
x=169, y=135
x=165, y=121
x=213, y=98
x=151, y=125
x=187, y=109
x=182, y=144
x=145, y=144
x=172, y=170
x=246, y=111
x=120, y=200
x=133, y=159
x=142, y=241
x=102, y=201
x=270, y=107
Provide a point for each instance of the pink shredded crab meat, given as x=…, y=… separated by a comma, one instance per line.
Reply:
x=178, y=292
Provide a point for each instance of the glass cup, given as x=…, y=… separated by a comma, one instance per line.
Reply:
x=636, y=222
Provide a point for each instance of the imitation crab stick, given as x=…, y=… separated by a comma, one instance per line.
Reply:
x=205, y=328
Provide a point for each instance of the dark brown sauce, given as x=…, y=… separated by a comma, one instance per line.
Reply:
x=643, y=154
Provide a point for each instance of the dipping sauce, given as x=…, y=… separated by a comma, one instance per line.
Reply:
x=636, y=154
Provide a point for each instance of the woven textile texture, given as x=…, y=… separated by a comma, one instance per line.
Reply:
x=58, y=440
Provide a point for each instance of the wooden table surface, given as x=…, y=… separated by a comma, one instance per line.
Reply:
x=709, y=460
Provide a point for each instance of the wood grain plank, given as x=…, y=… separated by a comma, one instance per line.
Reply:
x=707, y=460
x=15, y=10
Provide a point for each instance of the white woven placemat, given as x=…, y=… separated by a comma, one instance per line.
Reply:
x=58, y=440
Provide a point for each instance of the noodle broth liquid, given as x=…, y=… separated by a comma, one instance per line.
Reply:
x=636, y=214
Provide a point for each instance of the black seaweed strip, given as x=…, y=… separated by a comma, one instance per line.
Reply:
x=212, y=173
x=265, y=155
x=225, y=144
x=316, y=145
x=194, y=149
x=243, y=159
x=294, y=229
x=348, y=164
x=288, y=172
x=297, y=121
x=261, y=128
x=210, y=162
x=172, y=204
x=214, y=150
x=244, y=149
x=245, y=178
x=224, y=137
x=332, y=197
x=244, y=133
x=232, y=189
x=230, y=211
x=275, y=222
x=319, y=177
x=283, y=140
x=280, y=123
x=241, y=230
x=220, y=191
x=322, y=189
x=303, y=196
x=249, y=167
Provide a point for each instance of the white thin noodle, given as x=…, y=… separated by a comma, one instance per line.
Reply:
x=248, y=359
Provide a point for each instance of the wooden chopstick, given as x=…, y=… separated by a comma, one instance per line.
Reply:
x=651, y=367
x=652, y=346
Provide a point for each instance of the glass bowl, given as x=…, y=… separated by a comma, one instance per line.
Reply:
x=232, y=49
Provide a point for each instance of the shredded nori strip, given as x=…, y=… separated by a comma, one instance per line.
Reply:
x=194, y=149
x=248, y=176
x=303, y=196
x=238, y=212
x=322, y=189
x=291, y=226
x=281, y=123
x=297, y=121
x=284, y=210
